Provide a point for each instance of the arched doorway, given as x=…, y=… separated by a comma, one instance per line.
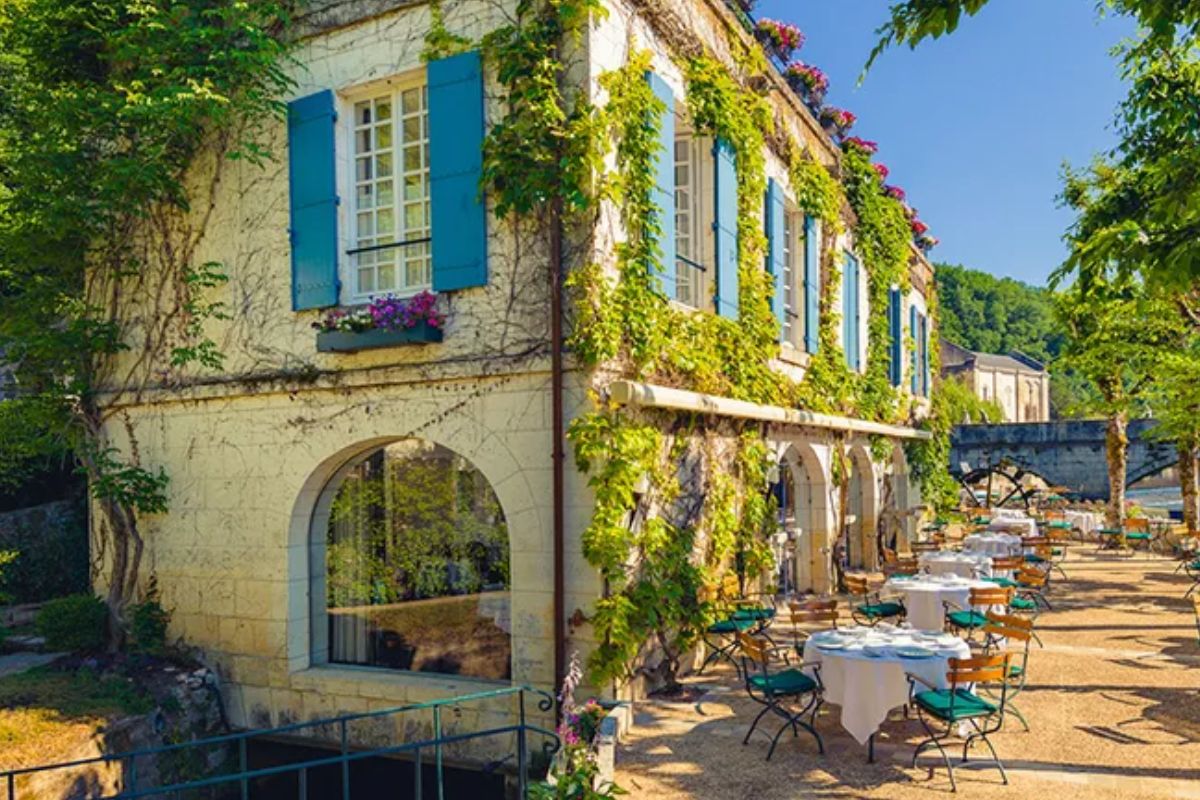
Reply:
x=861, y=508
x=409, y=564
x=804, y=510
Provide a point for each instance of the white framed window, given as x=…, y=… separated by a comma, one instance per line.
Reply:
x=387, y=182
x=794, y=254
x=693, y=218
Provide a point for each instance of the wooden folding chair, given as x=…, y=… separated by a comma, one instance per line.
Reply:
x=974, y=617
x=872, y=610
x=1002, y=631
x=812, y=616
x=959, y=704
x=773, y=689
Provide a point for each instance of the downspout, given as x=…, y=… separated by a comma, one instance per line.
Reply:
x=558, y=456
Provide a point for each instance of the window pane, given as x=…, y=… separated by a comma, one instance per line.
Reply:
x=366, y=280
x=412, y=159
x=417, y=566
x=362, y=113
x=364, y=199
x=383, y=109
x=384, y=189
x=410, y=101
x=363, y=169
x=383, y=164
x=383, y=137
x=412, y=128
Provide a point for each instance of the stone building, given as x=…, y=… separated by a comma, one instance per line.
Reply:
x=1017, y=383
x=298, y=467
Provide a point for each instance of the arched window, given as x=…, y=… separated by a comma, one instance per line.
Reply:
x=411, y=566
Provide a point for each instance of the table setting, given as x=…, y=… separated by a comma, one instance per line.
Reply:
x=965, y=565
x=993, y=544
x=1023, y=525
x=864, y=669
x=925, y=596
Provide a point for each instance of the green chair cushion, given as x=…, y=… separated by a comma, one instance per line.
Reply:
x=1007, y=583
x=1034, y=558
x=1138, y=537
x=754, y=614
x=1059, y=525
x=1109, y=531
x=1022, y=604
x=731, y=626
x=967, y=619
x=881, y=610
x=1014, y=671
x=965, y=704
x=904, y=575
x=789, y=681
x=1056, y=551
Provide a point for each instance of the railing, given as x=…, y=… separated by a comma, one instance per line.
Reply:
x=241, y=779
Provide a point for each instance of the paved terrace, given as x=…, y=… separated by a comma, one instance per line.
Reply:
x=1113, y=701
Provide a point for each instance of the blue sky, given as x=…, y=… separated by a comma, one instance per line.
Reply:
x=976, y=126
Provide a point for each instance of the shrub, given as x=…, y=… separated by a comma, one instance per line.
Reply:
x=75, y=623
x=148, y=622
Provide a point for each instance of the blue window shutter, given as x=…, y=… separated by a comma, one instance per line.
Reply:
x=914, y=333
x=924, y=356
x=896, y=352
x=812, y=284
x=314, y=201
x=776, y=229
x=725, y=227
x=850, y=318
x=456, y=130
x=664, y=184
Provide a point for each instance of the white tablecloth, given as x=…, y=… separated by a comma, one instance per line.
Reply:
x=1087, y=522
x=867, y=687
x=966, y=565
x=993, y=544
x=1010, y=513
x=1023, y=526
x=923, y=597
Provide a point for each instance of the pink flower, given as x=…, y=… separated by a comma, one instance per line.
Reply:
x=882, y=171
x=812, y=77
x=919, y=228
x=783, y=36
x=866, y=145
x=839, y=118
x=895, y=192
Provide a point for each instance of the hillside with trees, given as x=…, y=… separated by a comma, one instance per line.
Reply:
x=998, y=315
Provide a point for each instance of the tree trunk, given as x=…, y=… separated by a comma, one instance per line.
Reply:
x=1116, y=444
x=1189, y=487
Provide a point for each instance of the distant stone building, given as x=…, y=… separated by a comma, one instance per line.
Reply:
x=1017, y=383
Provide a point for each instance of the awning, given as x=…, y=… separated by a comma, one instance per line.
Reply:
x=645, y=395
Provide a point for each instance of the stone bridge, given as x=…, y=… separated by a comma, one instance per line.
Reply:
x=1068, y=453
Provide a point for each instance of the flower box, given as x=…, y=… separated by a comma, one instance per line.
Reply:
x=353, y=341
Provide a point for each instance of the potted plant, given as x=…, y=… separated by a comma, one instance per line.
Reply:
x=385, y=322
x=926, y=243
x=781, y=39
x=882, y=171
x=837, y=121
x=809, y=82
x=895, y=192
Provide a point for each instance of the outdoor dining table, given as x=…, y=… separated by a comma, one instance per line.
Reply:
x=924, y=597
x=993, y=544
x=965, y=565
x=1086, y=522
x=1025, y=526
x=865, y=675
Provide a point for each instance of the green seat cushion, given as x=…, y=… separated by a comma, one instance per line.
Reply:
x=1059, y=525
x=754, y=614
x=731, y=625
x=880, y=610
x=965, y=704
x=1057, y=551
x=904, y=575
x=1033, y=558
x=1109, y=531
x=1138, y=537
x=789, y=681
x=1022, y=604
x=1007, y=583
x=967, y=619
x=1194, y=565
x=1014, y=671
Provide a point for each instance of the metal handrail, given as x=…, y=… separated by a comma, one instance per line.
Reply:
x=243, y=776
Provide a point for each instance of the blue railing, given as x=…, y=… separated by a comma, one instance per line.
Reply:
x=344, y=757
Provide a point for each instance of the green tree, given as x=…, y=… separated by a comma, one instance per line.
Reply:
x=1174, y=400
x=105, y=108
x=1117, y=336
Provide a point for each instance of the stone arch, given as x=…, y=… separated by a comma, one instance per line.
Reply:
x=466, y=437
x=810, y=536
x=863, y=506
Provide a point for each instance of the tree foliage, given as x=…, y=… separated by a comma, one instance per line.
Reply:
x=105, y=107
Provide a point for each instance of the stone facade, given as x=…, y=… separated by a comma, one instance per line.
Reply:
x=1018, y=384
x=253, y=450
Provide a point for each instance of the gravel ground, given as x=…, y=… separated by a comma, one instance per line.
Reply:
x=1113, y=700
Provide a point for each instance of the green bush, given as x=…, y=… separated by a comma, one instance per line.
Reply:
x=148, y=622
x=75, y=623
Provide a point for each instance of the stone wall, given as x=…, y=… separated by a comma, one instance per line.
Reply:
x=51, y=542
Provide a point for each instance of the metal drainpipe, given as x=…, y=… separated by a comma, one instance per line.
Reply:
x=558, y=457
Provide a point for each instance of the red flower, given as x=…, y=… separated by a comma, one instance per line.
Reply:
x=866, y=145
x=882, y=171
